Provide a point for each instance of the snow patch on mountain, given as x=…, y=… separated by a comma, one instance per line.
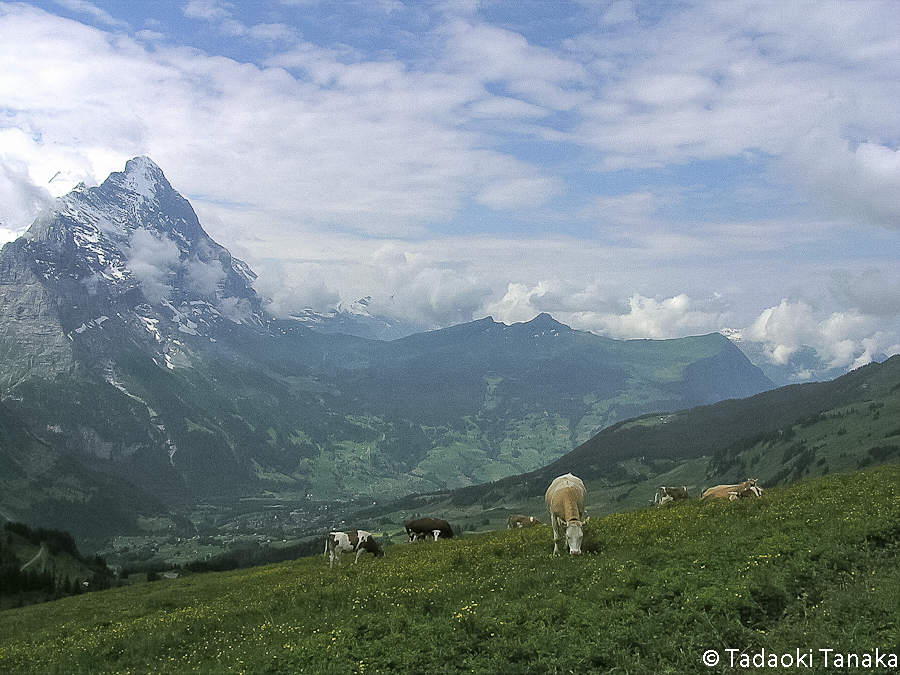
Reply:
x=354, y=318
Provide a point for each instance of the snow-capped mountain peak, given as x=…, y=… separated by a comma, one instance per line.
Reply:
x=132, y=250
x=142, y=176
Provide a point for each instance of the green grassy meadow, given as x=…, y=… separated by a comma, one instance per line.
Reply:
x=814, y=566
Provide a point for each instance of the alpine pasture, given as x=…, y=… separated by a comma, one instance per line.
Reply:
x=809, y=567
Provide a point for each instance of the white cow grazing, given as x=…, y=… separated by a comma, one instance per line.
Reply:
x=565, y=502
x=354, y=540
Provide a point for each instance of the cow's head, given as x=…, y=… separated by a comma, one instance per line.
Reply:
x=574, y=535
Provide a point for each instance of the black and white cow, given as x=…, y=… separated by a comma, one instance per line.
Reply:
x=420, y=528
x=354, y=540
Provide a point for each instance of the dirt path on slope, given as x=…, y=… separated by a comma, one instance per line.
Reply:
x=41, y=552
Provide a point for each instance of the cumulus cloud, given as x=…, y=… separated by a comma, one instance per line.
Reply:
x=22, y=200
x=152, y=260
x=655, y=319
x=406, y=282
x=289, y=294
x=520, y=303
x=390, y=172
x=639, y=317
x=435, y=297
x=423, y=291
x=841, y=339
x=204, y=278
x=237, y=310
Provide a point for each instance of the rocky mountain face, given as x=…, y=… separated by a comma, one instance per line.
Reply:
x=129, y=256
x=135, y=352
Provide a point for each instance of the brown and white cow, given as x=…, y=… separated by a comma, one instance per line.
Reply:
x=745, y=490
x=517, y=522
x=667, y=495
x=420, y=528
x=360, y=541
x=565, y=503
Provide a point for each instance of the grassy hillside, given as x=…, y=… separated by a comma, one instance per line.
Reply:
x=43, y=565
x=777, y=437
x=810, y=567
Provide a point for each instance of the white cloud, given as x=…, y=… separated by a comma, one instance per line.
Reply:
x=420, y=290
x=93, y=11
x=346, y=173
x=640, y=317
x=22, y=200
x=841, y=339
x=655, y=319
x=495, y=55
x=204, y=278
x=860, y=183
x=869, y=292
x=527, y=191
x=237, y=310
x=290, y=293
x=519, y=304
x=219, y=15
x=152, y=260
x=749, y=77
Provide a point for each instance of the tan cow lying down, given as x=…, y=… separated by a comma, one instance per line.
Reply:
x=667, y=495
x=518, y=522
x=747, y=489
x=354, y=540
x=565, y=503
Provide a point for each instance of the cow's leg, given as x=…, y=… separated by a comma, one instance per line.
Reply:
x=436, y=533
x=555, y=524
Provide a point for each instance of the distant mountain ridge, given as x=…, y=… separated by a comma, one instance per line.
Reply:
x=778, y=437
x=134, y=351
x=355, y=318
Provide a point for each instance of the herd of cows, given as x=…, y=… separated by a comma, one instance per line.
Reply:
x=565, y=507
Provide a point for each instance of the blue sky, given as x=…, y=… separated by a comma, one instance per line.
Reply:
x=637, y=169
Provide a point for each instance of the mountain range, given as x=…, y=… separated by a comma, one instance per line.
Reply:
x=777, y=437
x=141, y=374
